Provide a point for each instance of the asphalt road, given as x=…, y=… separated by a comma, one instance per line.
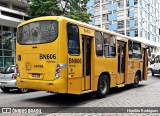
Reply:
x=44, y=99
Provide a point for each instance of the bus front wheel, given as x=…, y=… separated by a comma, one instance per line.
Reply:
x=103, y=86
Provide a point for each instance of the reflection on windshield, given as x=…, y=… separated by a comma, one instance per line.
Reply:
x=38, y=32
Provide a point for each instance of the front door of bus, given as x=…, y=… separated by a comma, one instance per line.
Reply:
x=145, y=63
x=86, y=69
x=121, y=62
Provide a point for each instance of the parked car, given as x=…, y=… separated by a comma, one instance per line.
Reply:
x=156, y=67
x=8, y=79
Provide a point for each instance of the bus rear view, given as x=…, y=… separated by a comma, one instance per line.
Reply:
x=37, y=56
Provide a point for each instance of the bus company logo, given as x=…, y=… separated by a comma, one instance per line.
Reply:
x=87, y=31
x=28, y=66
x=75, y=60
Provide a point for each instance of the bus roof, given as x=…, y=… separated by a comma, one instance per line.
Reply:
x=79, y=23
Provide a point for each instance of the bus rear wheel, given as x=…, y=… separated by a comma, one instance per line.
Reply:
x=136, y=80
x=152, y=73
x=23, y=90
x=103, y=87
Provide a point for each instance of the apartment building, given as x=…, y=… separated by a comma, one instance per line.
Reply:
x=134, y=18
x=12, y=12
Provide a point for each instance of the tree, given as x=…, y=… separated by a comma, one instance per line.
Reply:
x=74, y=9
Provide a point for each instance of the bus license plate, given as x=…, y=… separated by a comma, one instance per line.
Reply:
x=36, y=75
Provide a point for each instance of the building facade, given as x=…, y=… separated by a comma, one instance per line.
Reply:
x=12, y=13
x=134, y=18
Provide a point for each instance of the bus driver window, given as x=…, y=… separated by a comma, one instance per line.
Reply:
x=73, y=39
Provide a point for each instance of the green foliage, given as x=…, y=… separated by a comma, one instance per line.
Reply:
x=74, y=9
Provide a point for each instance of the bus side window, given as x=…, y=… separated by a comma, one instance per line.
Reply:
x=137, y=53
x=109, y=45
x=99, y=47
x=130, y=49
x=73, y=39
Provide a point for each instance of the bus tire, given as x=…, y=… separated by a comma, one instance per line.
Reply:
x=23, y=90
x=152, y=73
x=136, y=80
x=103, y=87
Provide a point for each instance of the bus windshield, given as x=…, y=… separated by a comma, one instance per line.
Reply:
x=38, y=32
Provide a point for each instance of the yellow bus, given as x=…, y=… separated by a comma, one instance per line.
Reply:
x=61, y=55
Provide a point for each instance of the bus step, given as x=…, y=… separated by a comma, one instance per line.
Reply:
x=87, y=91
x=121, y=85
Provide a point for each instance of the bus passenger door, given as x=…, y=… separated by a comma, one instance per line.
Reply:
x=86, y=68
x=121, y=62
x=145, y=64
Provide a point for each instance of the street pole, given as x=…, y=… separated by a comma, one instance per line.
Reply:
x=101, y=13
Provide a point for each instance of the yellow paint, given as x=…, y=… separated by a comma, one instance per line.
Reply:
x=121, y=85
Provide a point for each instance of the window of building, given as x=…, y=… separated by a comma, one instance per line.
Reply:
x=136, y=22
x=127, y=23
x=19, y=8
x=104, y=7
x=148, y=36
x=148, y=8
x=104, y=17
x=3, y=4
x=136, y=33
x=148, y=26
x=99, y=47
x=135, y=2
x=11, y=15
x=96, y=8
x=4, y=28
x=109, y=45
x=140, y=33
x=120, y=24
x=73, y=39
x=120, y=4
x=127, y=2
x=128, y=33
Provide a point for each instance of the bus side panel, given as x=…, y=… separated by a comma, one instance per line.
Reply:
x=113, y=80
x=131, y=72
x=133, y=66
x=62, y=54
x=74, y=74
x=74, y=85
x=108, y=65
x=75, y=63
